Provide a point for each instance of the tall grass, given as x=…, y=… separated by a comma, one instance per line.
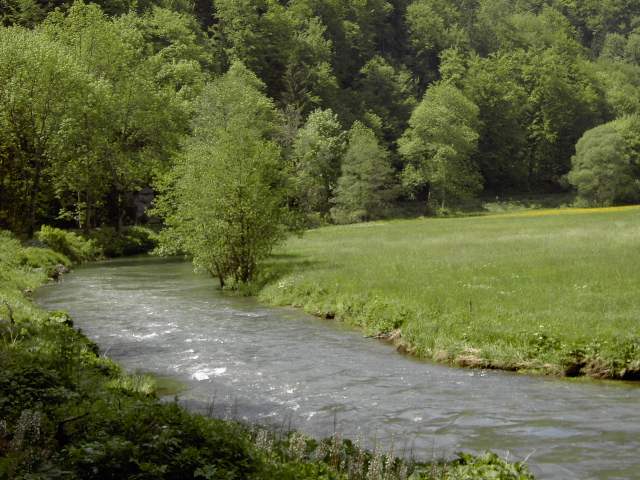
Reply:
x=552, y=291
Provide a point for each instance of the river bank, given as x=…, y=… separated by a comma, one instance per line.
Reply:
x=548, y=292
x=69, y=412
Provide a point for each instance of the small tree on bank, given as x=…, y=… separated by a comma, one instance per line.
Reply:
x=224, y=201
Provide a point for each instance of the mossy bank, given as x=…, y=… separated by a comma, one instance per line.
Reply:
x=552, y=291
x=68, y=412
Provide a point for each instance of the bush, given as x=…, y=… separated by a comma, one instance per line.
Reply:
x=130, y=241
x=606, y=166
x=70, y=244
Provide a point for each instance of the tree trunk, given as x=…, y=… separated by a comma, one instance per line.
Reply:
x=33, y=203
x=87, y=214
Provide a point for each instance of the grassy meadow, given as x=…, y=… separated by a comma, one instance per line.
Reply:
x=548, y=291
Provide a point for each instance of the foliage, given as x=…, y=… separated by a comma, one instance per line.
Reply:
x=40, y=87
x=226, y=207
x=389, y=93
x=439, y=142
x=367, y=184
x=606, y=167
x=69, y=244
x=138, y=117
x=129, y=241
x=317, y=156
x=115, y=89
x=434, y=26
x=487, y=466
x=90, y=110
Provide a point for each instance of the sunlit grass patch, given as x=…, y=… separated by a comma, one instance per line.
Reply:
x=542, y=291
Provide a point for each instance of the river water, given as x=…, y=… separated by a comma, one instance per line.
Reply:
x=281, y=367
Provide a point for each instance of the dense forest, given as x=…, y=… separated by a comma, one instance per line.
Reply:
x=284, y=114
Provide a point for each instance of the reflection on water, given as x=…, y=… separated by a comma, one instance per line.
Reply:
x=283, y=367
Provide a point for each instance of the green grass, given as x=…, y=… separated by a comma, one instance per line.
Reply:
x=549, y=291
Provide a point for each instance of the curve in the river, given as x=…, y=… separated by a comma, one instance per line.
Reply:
x=284, y=367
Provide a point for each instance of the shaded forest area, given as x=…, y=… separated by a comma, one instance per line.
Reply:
x=362, y=107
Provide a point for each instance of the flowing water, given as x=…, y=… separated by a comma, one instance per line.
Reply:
x=282, y=367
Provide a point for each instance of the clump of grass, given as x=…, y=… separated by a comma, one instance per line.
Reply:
x=551, y=292
x=134, y=384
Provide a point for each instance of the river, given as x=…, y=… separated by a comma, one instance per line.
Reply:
x=278, y=366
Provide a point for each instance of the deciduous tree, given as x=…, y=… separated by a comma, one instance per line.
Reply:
x=367, y=184
x=224, y=201
x=438, y=145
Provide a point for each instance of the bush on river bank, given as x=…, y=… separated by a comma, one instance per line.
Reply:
x=67, y=412
x=553, y=291
x=99, y=242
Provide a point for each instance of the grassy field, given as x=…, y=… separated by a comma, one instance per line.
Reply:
x=549, y=291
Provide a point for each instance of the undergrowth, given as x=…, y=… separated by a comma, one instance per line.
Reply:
x=103, y=242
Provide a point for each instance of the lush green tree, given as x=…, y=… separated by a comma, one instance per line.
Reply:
x=541, y=73
x=512, y=28
x=41, y=91
x=288, y=49
x=534, y=105
x=632, y=48
x=614, y=47
x=564, y=101
x=595, y=19
x=25, y=13
x=357, y=30
x=389, y=93
x=434, y=25
x=606, y=166
x=367, y=185
x=224, y=201
x=135, y=125
x=438, y=145
x=317, y=156
x=308, y=79
x=494, y=84
x=620, y=83
x=258, y=33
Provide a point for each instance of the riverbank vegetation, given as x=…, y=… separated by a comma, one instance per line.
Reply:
x=68, y=412
x=548, y=291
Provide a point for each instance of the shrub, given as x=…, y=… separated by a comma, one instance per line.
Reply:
x=130, y=241
x=606, y=166
x=70, y=244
